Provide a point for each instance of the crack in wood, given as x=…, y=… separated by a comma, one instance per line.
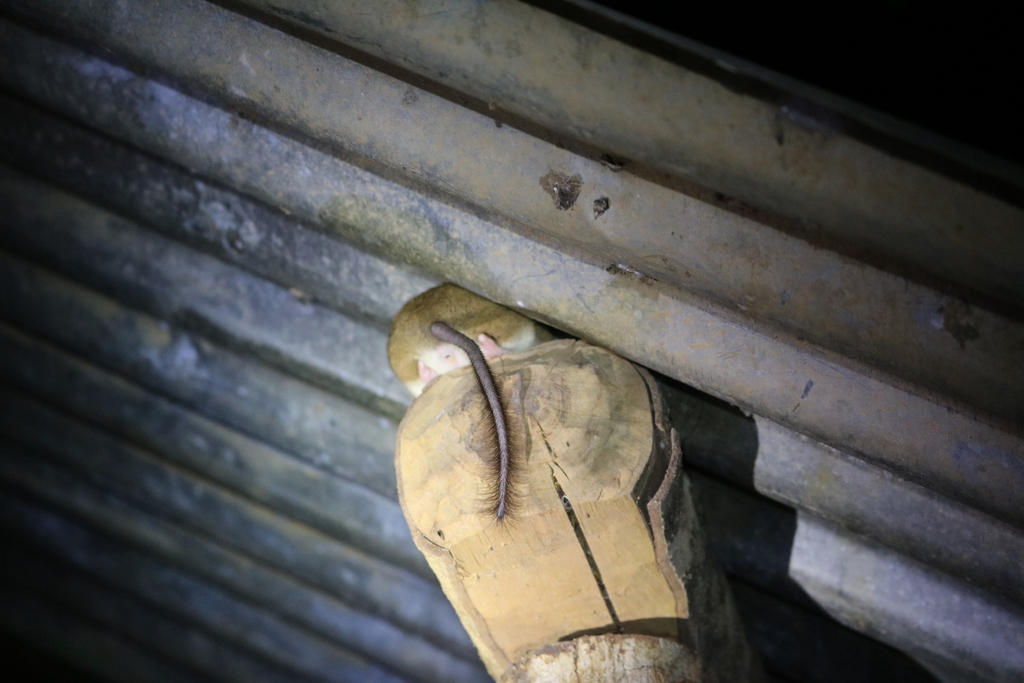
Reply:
x=581, y=537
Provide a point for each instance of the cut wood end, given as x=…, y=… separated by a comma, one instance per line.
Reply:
x=607, y=658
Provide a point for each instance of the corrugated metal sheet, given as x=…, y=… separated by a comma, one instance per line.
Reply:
x=212, y=213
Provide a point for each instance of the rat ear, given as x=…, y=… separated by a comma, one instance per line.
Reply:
x=426, y=373
x=489, y=347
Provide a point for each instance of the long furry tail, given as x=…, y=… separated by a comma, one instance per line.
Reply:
x=500, y=488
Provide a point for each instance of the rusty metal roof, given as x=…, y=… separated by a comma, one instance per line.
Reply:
x=213, y=211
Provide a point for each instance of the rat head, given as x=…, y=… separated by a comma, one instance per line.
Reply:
x=417, y=356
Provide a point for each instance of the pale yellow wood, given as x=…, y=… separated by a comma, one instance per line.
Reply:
x=584, y=429
x=616, y=534
x=607, y=659
x=599, y=463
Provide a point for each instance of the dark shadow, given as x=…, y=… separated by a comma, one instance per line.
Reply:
x=800, y=646
x=752, y=537
x=25, y=664
x=715, y=436
x=663, y=627
x=695, y=38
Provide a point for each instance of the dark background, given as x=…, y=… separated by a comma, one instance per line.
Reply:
x=954, y=68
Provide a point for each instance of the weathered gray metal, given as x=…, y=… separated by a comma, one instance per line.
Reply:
x=206, y=216
x=200, y=292
x=344, y=509
x=787, y=636
x=767, y=275
x=850, y=405
x=873, y=502
x=805, y=149
x=281, y=410
x=961, y=631
x=93, y=648
x=277, y=651
x=961, y=566
x=185, y=499
x=195, y=578
x=889, y=408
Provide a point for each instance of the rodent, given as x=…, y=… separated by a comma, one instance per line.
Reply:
x=448, y=327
